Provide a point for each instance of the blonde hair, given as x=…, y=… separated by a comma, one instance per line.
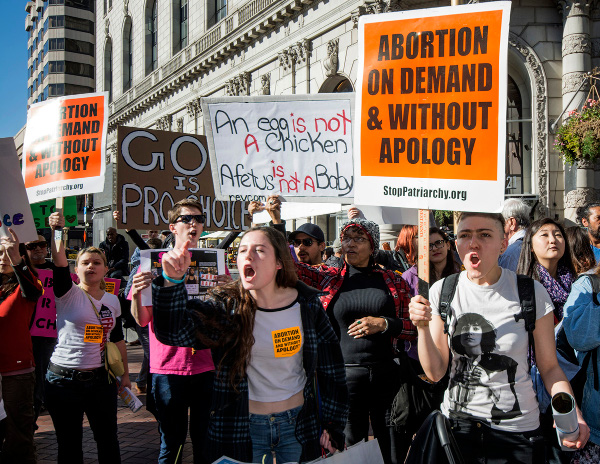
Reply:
x=93, y=250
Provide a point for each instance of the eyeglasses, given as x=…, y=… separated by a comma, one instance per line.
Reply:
x=34, y=245
x=357, y=240
x=187, y=218
x=304, y=241
x=436, y=244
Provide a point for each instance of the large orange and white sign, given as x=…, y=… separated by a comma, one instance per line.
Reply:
x=431, y=108
x=64, y=147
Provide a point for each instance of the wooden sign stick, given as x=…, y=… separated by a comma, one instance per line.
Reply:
x=423, y=257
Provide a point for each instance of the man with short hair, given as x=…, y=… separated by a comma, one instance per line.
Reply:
x=309, y=243
x=516, y=217
x=116, y=249
x=153, y=234
x=590, y=219
x=37, y=251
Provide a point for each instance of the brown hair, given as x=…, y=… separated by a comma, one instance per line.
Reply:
x=582, y=255
x=405, y=242
x=185, y=203
x=494, y=216
x=9, y=282
x=242, y=307
x=97, y=251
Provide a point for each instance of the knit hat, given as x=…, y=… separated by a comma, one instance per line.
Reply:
x=368, y=227
x=337, y=245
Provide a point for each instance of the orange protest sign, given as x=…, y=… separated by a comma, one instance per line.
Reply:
x=432, y=104
x=64, y=147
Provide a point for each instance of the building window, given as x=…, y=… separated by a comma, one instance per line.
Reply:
x=78, y=46
x=151, y=36
x=216, y=10
x=180, y=28
x=127, y=55
x=78, y=24
x=54, y=90
x=108, y=69
x=56, y=21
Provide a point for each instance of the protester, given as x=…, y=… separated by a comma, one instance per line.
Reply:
x=546, y=257
x=589, y=216
x=582, y=255
x=309, y=243
x=43, y=346
x=19, y=292
x=116, y=249
x=263, y=402
x=336, y=260
x=407, y=243
x=490, y=400
x=328, y=253
x=182, y=377
x=153, y=234
x=77, y=381
x=367, y=307
x=581, y=322
x=516, y=216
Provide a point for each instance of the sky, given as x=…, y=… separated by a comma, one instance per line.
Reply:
x=13, y=74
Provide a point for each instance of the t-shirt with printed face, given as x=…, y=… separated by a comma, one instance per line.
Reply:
x=489, y=378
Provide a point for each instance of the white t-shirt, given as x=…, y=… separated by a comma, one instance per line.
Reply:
x=489, y=379
x=74, y=313
x=275, y=371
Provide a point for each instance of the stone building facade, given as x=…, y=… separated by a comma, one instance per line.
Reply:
x=164, y=55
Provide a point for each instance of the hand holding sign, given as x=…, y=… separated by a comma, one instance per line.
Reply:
x=176, y=262
x=56, y=220
x=141, y=281
x=11, y=246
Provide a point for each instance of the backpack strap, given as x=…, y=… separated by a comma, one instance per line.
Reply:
x=526, y=290
x=595, y=279
x=446, y=297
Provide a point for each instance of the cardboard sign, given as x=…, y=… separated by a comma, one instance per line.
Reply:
x=431, y=108
x=156, y=169
x=14, y=205
x=44, y=320
x=42, y=211
x=64, y=146
x=298, y=146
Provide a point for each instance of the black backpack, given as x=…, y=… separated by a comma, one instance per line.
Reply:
x=526, y=289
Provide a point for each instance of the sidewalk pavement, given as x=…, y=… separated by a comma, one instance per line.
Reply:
x=138, y=432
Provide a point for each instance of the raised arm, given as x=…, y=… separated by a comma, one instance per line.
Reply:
x=141, y=314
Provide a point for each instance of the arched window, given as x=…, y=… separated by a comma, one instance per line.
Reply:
x=151, y=34
x=108, y=69
x=127, y=55
x=180, y=25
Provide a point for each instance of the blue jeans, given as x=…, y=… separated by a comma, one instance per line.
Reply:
x=67, y=400
x=173, y=395
x=274, y=435
x=144, y=338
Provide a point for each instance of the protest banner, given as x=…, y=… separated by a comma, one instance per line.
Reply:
x=64, y=146
x=298, y=146
x=14, y=205
x=201, y=276
x=431, y=108
x=156, y=169
x=42, y=211
x=44, y=321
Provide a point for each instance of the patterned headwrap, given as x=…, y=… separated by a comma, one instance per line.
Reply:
x=368, y=227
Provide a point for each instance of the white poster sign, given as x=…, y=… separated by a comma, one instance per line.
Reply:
x=14, y=205
x=298, y=146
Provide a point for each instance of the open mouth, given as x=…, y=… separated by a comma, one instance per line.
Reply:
x=474, y=260
x=249, y=272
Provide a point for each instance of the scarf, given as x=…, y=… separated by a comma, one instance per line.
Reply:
x=558, y=289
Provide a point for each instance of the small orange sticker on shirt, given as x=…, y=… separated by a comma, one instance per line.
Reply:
x=286, y=342
x=93, y=333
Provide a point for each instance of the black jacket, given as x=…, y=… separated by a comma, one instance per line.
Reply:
x=117, y=255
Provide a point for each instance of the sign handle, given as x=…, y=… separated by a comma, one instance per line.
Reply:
x=58, y=233
x=423, y=257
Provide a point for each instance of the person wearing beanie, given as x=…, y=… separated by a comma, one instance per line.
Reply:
x=336, y=260
x=368, y=309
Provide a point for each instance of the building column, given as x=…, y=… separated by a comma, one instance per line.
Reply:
x=577, y=61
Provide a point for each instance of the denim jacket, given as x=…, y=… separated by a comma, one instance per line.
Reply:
x=581, y=321
x=177, y=323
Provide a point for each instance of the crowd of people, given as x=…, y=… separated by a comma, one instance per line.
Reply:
x=314, y=347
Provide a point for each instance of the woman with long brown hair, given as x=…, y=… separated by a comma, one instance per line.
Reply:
x=274, y=350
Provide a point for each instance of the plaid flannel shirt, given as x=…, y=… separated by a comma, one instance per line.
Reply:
x=177, y=323
x=330, y=280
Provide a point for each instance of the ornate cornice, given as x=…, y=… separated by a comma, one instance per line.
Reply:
x=164, y=122
x=574, y=7
x=376, y=7
x=572, y=81
x=331, y=62
x=193, y=108
x=540, y=124
x=295, y=54
x=576, y=43
x=238, y=85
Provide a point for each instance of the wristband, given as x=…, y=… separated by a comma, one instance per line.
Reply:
x=387, y=325
x=173, y=281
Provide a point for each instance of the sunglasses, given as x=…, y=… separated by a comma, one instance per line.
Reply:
x=187, y=218
x=34, y=245
x=305, y=241
x=436, y=244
